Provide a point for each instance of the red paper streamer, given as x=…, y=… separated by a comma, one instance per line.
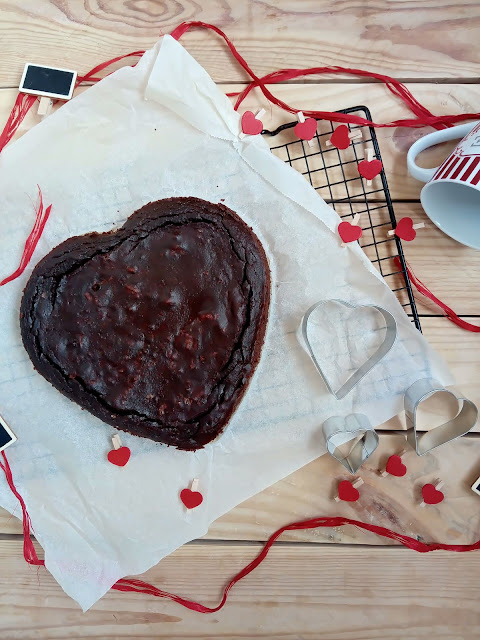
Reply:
x=421, y=288
x=139, y=586
x=424, y=116
x=41, y=217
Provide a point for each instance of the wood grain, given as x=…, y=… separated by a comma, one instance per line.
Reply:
x=390, y=502
x=394, y=143
x=308, y=592
x=430, y=39
x=337, y=592
x=449, y=268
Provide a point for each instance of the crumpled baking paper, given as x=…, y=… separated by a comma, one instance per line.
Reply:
x=165, y=129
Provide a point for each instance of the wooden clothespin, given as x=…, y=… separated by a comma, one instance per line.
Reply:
x=431, y=493
x=191, y=498
x=354, y=223
x=251, y=123
x=370, y=153
x=45, y=106
x=305, y=129
x=119, y=455
x=348, y=491
x=47, y=83
x=341, y=136
x=419, y=225
x=394, y=466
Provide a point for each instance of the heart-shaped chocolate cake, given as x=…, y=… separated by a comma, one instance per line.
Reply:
x=155, y=328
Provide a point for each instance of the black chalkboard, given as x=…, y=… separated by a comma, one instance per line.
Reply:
x=6, y=436
x=48, y=81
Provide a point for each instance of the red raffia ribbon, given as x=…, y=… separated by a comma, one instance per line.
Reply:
x=22, y=105
x=424, y=116
x=139, y=586
x=90, y=76
x=41, y=217
x=421, y=288
x=29, y=552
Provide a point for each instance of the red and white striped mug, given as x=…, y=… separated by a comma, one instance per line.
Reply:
x=451, y=197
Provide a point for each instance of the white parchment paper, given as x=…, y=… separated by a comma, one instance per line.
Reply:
x=165, y=129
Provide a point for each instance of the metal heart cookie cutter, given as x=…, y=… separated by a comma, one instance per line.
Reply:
x=458, y=426
x=355, y=428
x=366, y=367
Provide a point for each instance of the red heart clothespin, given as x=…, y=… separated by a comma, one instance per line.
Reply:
x=348, y=491
x=342, y=136
x=370, y=167
x=431, y=493
x=119, y=456
x=350, y=232
x=251, y=123
x=305, y=129
x=405, y=229
x=191, y=498
x=395, y=466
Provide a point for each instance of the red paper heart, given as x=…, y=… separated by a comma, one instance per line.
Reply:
x=349, y=232
x=340, y=137
x=405, y=230
x=250, y=124
x=347, y=492
x=369, y=170
x=191, y=499
x=431, y=495
x=306, y=130
x=119, y=457
x=395, y=466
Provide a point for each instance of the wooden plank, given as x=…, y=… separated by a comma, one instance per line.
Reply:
x=298, y=592
x=390, y=502
x=427, y=40
x=461, y=351
x=394, y=143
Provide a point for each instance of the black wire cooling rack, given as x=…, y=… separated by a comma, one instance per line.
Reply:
x=334, y=174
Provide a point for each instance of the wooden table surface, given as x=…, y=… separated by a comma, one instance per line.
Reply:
x=308, y=587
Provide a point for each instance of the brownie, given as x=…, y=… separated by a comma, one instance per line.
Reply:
x=155, y=328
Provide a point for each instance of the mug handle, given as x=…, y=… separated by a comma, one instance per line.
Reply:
x=424, y=175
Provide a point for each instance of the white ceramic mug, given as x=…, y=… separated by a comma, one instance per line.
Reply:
x=451, y=197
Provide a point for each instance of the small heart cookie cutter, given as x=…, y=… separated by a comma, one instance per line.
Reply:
x=366, y=367
x=339, y=430
x=457, y=427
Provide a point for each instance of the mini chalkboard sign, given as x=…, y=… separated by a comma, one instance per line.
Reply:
x=6, y=435
x=476, y=486
x=48, y=83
